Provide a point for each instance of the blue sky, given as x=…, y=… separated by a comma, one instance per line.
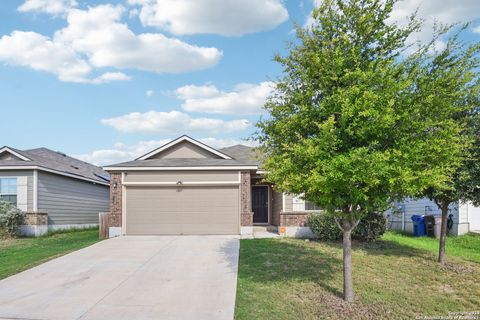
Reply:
x=109, y=80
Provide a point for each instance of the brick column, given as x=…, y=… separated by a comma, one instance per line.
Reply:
x=36, y=218
x=35, y=224
x=245, y=199
x=115, y=216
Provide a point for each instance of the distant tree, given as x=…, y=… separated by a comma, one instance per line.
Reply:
x=453, y=79
x=348, y=126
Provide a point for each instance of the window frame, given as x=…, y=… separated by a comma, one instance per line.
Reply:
x=297, y=201
x=10, y=193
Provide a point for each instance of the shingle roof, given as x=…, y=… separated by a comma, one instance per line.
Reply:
x=57, y=161
x=172, y=162
x=241, y=151
x=241, y=156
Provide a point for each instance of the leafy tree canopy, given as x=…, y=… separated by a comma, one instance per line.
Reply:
x=359, y=118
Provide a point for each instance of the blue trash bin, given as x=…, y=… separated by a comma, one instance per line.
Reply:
x=419, y=226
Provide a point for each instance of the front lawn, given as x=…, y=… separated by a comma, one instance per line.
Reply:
x=23, y=253
x=298, y=279
x=467, y=246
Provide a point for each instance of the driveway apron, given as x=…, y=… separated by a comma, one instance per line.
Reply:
x=131, y=277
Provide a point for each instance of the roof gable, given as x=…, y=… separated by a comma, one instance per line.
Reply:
x=51, y=161
x=7, y=154
x=185, y=148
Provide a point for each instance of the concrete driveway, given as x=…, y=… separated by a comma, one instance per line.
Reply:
x=137, y=277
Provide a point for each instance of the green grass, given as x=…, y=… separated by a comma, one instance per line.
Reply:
x=467, y=246
x=19, y=254
x=393, y=279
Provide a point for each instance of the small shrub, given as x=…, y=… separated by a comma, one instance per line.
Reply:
x=370, y=228
x=11, y=218
x=324, y=227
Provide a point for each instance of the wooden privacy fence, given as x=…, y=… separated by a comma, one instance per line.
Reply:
x=103, y=225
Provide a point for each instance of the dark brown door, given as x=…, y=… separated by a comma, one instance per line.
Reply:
x=260, y=204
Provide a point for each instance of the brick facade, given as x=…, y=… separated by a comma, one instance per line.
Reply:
x=245, y=199
x=293, y=219
x=115, y=216
x=36, y=218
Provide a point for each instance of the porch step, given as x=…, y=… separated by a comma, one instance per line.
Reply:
x=262, y=232
x=266, y=228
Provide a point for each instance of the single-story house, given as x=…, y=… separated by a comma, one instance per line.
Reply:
x=54, y=190
x=466, y=216
x=187, y=187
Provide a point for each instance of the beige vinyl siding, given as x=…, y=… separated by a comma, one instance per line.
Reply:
x=21, y=187
x=186, y=210
x=71, y=201
x=185, y=176
x=288, y=202
x=185, y=149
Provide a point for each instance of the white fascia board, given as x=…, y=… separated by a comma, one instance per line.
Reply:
x=52, y=171
x=179, y=168
x=179, y=140
x=183, y=184
x=16, y=154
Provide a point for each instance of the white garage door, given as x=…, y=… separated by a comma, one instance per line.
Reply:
x=185, y=210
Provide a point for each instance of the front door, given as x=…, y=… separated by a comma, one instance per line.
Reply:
x=260, y=204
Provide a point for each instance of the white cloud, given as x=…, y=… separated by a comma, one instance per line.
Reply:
x=476, y=29
x=40, y=53
x=445, y=11
x=246, y=98
x=107, y=42
x=149, y=93
x=54, y=7
x=111, y=76
x=96, y=38
x=31, y=49
x=121, y=152
x=449, y=12
x=171, y=122
x=223, y=17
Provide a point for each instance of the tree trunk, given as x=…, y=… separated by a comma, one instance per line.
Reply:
x=347, y=266
x=347, y=226
x=443, y=233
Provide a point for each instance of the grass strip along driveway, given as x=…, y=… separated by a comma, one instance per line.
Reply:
x=19, y=254
x=298, y=279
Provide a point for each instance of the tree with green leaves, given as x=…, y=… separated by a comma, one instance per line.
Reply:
x=348, y=126
x=463, y=90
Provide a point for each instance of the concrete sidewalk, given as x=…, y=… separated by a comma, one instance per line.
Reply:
x=136, y=277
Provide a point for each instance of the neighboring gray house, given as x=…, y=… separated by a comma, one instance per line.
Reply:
x=55, y=190
x=466, y=217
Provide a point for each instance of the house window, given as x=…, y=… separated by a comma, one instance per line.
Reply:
x=309, y=206
x=299, y=204
x=8, y=190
